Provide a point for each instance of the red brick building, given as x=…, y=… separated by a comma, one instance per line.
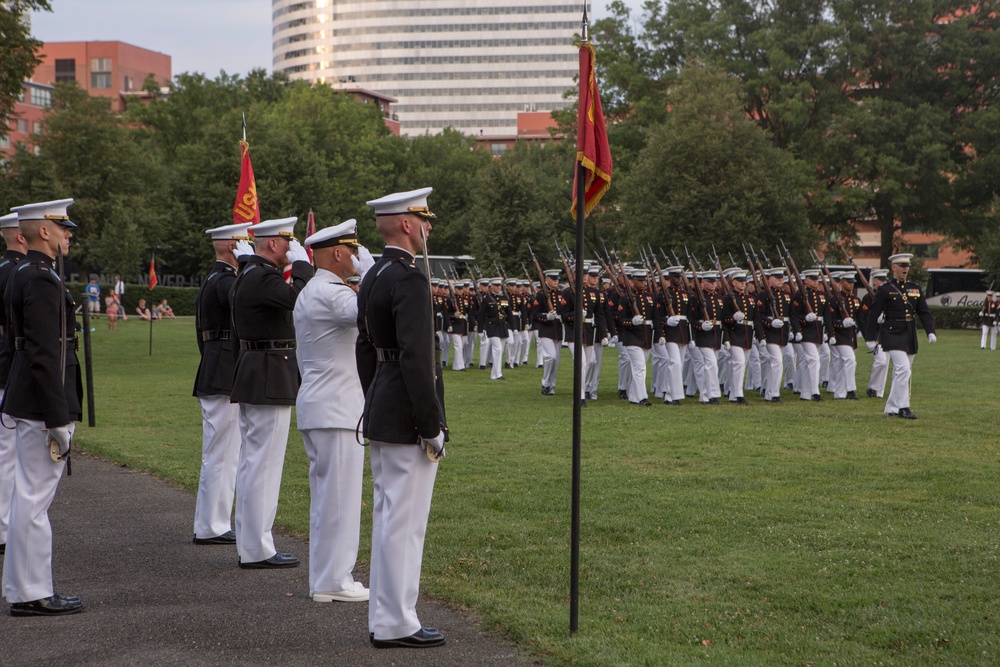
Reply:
x=104, y=69
x=29, y=111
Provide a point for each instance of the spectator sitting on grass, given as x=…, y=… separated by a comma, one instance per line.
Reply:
x=143, y=311
x=165, y=310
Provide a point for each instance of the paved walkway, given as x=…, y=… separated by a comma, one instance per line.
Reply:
x=122, y=542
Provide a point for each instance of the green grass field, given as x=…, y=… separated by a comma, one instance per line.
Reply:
x=789, y=534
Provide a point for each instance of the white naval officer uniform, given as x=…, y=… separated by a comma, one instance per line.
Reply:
x=328, y=409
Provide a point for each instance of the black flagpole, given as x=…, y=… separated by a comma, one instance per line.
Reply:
x=152, y=263
x=574, y=570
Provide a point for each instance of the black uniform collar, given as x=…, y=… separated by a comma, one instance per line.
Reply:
x=221, y=265
x=395, y=252
x=13, y=255
x=263, y=261
x=41, y=258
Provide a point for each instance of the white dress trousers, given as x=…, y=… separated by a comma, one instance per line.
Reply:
x=880, y=372
x=264, y=436
x=636, y=387
x=496, y=345
x=623, y=367
x=673, y=373
x=845, y=363
x=708, y=382
x=403, y=483
x=336, y=469
x=458, y=354
x=220, y=455
x=593, y=377
x=658, y=380
x=899, y=390
x=550, y=355
x=788, y=360
x=8, y=462
x=27, y=567
x=737, y=369
x=808, y=370
x=773, y=370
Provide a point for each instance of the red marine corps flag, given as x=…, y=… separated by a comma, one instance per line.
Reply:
x=246, y=209
x=152, y=273
x=592, y=151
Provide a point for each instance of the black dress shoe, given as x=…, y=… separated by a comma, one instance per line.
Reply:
x=422, y=638
x=3, y=549
x=817, y=397
x=713, y=401
x=50, y=606
x=645, y=402
x=482, y=368
x=906, y=414
x=872, y=393
x=278, y=560
x=622, y=395
x=775, y=399
x=740, y=401
x=852, y=396
x=501, y=378
x=228, y=537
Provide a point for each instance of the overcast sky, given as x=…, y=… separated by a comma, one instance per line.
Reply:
x=205, y=36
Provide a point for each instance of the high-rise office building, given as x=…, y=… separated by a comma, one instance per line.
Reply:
x=468, y=64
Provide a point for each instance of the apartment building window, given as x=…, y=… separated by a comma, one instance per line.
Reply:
x=100, y=72
x=65, y=69
x=36, y=127
x=4, y=142
x=22, y=125
x=41, y=97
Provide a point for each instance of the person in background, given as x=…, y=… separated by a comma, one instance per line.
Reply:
x=93, y=292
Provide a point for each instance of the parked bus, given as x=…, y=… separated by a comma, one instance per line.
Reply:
x=956, y=288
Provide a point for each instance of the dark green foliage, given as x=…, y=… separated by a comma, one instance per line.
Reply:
x=18, y=50
x=181, y=299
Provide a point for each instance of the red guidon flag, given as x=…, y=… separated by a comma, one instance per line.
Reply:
x=592, y=149
x=152, y=273
x=246, y=209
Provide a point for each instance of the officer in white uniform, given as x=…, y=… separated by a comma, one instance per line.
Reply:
x=43, y=408
x=220, y=440
x=328, y=409
x=16, y=248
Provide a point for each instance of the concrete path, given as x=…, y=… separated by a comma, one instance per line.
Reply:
x=122, y=542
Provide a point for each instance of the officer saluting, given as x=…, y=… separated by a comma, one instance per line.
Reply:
x=266, y=382
x=220, y=442
x=45, y=371
x=892, y=323
x=16, y=248
x=328, y=408
x=403, y=417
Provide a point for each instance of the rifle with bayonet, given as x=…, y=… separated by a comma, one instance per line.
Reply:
x=762, y=281
x=793, y=276
x=663, y=286
x=570, y=274
x=861, y=275
x=725, y=281
x=699, y=288
x=541, y=279
x=833, y=288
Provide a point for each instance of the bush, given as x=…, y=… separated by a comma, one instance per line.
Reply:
x=181, y=299
x=955, y=318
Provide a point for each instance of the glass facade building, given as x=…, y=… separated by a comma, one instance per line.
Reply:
x=467, y=64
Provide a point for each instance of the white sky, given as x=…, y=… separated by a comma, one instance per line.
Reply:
x=205, y=36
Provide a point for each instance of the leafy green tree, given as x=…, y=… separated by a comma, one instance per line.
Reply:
x=18, y=51
x=710, y=175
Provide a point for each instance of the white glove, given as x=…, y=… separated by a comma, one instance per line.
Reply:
x=738, y=316
x=848, y=322
x=931, y=338
x=707, y=325
x=638, y=321
x=870, y=344
x=673, y=321
x=662, y=341
x=483, y=337
x=798, y=337
x=810, y=317
x=825, y=337
x=613, y=341
x=691, y=344
x=605, y=341
x=434, y=447
x=551, y=315
x=242, y=248
x=881, y=318
x=777, y=323
x=59, y=441
x=726, y=345
x=363, y=261
x=296, y=253
x=980, y=313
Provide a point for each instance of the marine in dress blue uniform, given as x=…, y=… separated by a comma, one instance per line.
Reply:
x=12, y=256
x=403, y=417
x=220, y=440
x=43, y=401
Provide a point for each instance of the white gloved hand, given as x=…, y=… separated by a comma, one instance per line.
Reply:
x=848, y=322
x=707, y=325
x=296, y=253
x=614, y=340
x=61, y=436
x=870, y=344
x=810, y=317
x=638, y=321
x=242, y=248
x=551, y=315
x=738, y=316
x=881, y=318
x=662, y=341
x=691, y=344
x=726, y=345
x=363, y=261
x=777, y=323
x=798, y=337
x=980, y=313
x=434, y=447
x=931, y=338
x=673, y=321
x=483, y=337
x=605, y=341
x=825, y=337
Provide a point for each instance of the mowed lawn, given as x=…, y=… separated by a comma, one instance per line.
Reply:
x=792, y=534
